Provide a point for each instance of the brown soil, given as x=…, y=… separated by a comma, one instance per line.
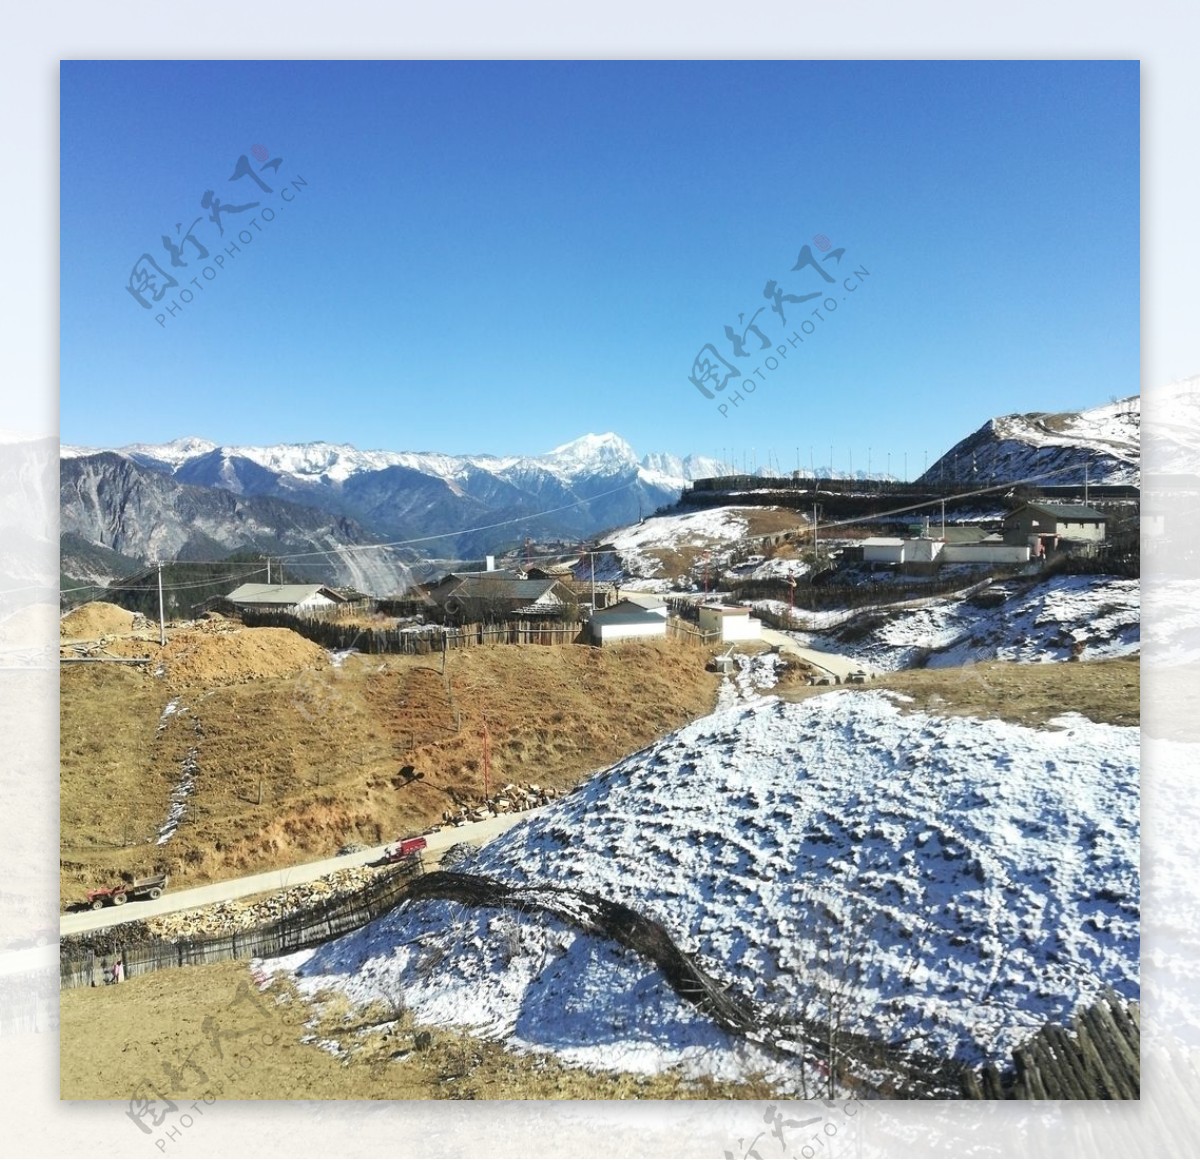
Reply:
x=199, y=1030
x=324, y=747
x=206, y=658
x=93, y=620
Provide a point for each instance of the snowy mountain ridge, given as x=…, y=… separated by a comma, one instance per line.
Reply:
x=319, y=461
x=1101, y=444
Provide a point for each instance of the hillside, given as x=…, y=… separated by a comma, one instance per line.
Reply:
x=237, y=713
x=110, y=502
x=1102, y=443
x=671, y=545
x=1088, y=617
x=941, y=885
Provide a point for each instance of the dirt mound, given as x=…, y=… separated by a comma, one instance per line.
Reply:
x=95, y=619
x=233, y=658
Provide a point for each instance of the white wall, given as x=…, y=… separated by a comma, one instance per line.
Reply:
x=316, y=600
x=608, y=633
x=1080, y=531
x=730, y=627
x=883, y=553
x=985, y=554
x=740, y=628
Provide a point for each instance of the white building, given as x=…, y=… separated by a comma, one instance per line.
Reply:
x=284, y=597
x=930, y=550
x=631, y=617
x=730, y=621
x=883, y=550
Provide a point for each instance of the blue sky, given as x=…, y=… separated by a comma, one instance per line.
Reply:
x=500, y=256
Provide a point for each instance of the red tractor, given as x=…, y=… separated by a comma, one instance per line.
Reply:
x=405, y=850
x=118, y=895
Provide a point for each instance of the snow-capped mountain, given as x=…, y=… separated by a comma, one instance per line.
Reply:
x=466, y=504
x=1102, y=444
x=589, y=455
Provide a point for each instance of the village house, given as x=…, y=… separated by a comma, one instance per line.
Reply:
x=491, y=596
x=636, y=615
x=448, y=583
x=284, y=597
x=729, y=622
x=1047, y=527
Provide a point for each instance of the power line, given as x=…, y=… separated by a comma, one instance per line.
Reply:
x=461, y=532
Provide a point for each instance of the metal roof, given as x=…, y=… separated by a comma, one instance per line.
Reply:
x=1063, y=511
x=490, y=586
x=644, y=599
x=279, y=593
x=627, y=612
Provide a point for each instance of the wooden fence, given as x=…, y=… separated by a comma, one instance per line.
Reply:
x=679, y=629
x=1098, y=1059
x=842, y=596
x=420, y=641
x=79, y=966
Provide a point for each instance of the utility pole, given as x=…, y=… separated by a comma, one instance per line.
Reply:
x=268, y=569
x=815, y=526
x=162, y=622
x=943, y=518
x=592, y=561
x=487, y=759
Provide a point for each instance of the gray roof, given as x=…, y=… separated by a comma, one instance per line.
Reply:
x=494, y=573
x=626, y=612
x=968, y=534
x=279, y=593
x=490, y=586
x=644, y=599
x=1064, y=511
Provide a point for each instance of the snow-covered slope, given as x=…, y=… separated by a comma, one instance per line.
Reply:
x=953, y=882
x=1046, y=621
x=1102, y=443
x=640, y=546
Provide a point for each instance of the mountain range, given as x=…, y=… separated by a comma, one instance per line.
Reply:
x=325, y=507
x=194, y=499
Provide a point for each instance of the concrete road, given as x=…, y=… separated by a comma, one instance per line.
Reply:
x=271, y=880
x=834, y=664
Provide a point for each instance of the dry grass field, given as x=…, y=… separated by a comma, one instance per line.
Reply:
x=206, y=1029
x=264, y=714
x=1104, y=691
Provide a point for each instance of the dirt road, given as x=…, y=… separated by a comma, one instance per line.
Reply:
x=834, y=664
x=172, y=901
